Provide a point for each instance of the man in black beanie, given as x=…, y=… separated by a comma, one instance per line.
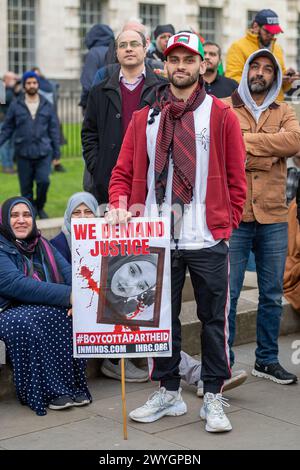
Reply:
x=162, y=34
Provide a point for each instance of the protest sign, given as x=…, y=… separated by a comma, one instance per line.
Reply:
x=121, y=288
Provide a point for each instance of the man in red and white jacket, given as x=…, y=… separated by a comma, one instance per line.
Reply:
x=184, y=158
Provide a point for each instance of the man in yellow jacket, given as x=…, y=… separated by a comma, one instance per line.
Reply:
x=262, y=35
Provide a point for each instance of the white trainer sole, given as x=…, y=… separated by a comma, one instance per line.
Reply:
x=209, y=429
x=175, y=410
x=82, y=403
x=61, y=407
x=262, y=375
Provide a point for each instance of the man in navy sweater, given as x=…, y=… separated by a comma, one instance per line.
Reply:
x=108, y=113
x=110, y=107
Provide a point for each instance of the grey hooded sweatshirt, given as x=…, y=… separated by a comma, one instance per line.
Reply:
x=244, y=91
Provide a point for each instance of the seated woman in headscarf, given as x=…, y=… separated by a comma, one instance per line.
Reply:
x=35, y=296
x=80, y=205
x=84, y=205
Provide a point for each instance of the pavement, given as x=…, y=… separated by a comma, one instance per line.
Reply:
x=264, y=415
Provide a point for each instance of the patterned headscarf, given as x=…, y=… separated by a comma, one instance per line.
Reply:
x=38, y=257
x=28, y=245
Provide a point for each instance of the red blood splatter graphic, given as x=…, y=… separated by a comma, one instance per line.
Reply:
x=86, y=273
x=140, y=308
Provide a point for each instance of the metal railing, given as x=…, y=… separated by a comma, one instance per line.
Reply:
x=70, y=116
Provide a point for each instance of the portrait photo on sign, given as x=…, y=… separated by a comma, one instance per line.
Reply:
x=131, y=289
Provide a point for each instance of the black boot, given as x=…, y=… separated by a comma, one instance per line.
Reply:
x=42, y=214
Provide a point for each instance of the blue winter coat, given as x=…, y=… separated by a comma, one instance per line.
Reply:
x=34, y=138
x=17, y=288
x=60, y=243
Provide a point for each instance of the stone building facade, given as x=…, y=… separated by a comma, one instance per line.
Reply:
x=49, y=33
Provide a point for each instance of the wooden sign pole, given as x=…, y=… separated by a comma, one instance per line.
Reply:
x=124, y=398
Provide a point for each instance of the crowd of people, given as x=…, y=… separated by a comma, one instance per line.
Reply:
x=167, y=131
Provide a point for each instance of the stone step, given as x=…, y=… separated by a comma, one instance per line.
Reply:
x=245, y=322
x=191, y=330
x=50, y=227
x=191, y=326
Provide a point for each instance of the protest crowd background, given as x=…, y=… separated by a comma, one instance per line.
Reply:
x=61, y=136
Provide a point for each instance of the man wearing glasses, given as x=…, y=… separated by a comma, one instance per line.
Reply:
x=261, y=35
x=108, y=113
x=110, y=107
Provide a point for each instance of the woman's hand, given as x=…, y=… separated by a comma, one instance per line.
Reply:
x=70, y=312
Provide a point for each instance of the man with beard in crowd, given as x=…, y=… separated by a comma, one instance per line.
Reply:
x=261, y=35
x=33, y=120
x=271, y=134
x=174, y=163
x=216, y=84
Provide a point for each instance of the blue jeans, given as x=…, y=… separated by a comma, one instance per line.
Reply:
x=251, y=263
x=269, y=244
x=7, y=152
x=38, y=170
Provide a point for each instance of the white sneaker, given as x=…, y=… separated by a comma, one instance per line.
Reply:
x=159, y=404
x=238, y=378
x=132, y=373
x=212, y=411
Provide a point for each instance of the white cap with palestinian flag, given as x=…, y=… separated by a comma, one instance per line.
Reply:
x=188, y=40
